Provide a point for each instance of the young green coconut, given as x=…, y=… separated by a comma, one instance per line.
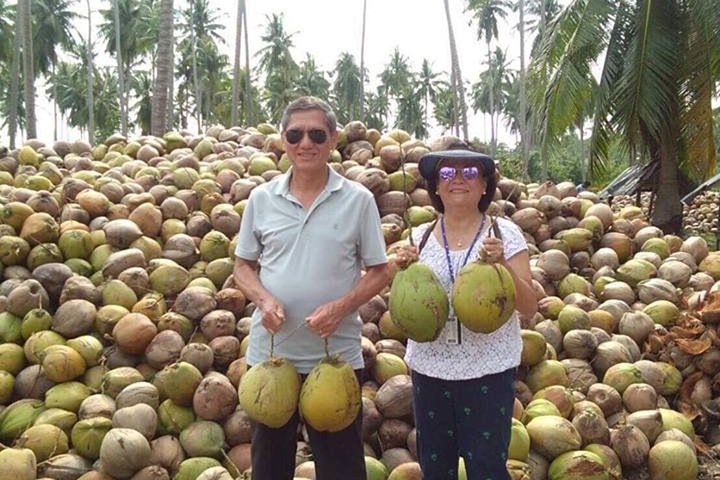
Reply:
x=269, y=391
x=330, y=395
x=483, y=295
x=419, y=306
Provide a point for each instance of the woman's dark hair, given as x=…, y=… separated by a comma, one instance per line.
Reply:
x=490, y=184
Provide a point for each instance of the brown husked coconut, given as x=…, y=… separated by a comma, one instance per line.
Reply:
x=123, y=452
x=140, y=417
x=232, y=299
x=393, y=458
x=52, y=277
x=215, y=398
x=98, y=405
x=167, y=452
x=592, y=427
x=134, y=332
x=28, y=295
x=198, y=354
x=392, y=202
x=74, y=318
x=68, y=466
x=164, y=349
x=393, y=433
x=194, y=303
x=238, y=428
x=217, y=323
x=151, y=472
x=371, y=418
x=226, y=349
x=374, y=180
x=371, y=311
x=148, y=217
x=140, y=392
x=78, y=287
x=394, y=398
x=605, y=397
x=137, y=279
x=554, y=263
x=648, y=421
x=120, y=261
x=121, y=233
x=631, y=446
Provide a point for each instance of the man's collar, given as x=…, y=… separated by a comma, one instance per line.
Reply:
x=334, y=182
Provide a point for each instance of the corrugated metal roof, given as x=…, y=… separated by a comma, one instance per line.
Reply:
x=687, y=199
x=631, y=180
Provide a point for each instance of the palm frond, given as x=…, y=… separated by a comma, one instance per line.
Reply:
x=603, y=134
x=576, y=38
x=701, y=71
x=647, y=88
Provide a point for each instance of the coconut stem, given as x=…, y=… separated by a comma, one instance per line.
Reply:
x=327, y=350
x=272, y=345
x=406, y=218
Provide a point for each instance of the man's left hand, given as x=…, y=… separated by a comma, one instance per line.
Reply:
x=325, y=319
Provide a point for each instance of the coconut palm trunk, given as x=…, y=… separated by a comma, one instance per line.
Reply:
x=522, y=114
x=120, y=69
x=491, y=89
x=90, y=100
x=196, y=78
x=169, y=105
x=28, y=70
x=248, y=86
x=236, y=66
x=458, y=84
x=14, y=89
x=158, y=118
x=362, y=62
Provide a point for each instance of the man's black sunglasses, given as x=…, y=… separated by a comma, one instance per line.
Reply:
x=317, y=136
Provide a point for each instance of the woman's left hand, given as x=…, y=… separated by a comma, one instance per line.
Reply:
x=494, y=250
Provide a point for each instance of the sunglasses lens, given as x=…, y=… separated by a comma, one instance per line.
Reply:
x=470, y=173
x=446, y=173
x=294, y=136
x=317, y=136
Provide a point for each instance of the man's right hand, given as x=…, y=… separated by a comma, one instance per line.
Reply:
x=273, y=315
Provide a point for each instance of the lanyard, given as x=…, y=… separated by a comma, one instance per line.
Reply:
x=447, y=249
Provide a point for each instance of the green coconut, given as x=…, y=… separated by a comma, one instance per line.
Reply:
x=656, y=245
x=663, y=312
x=519, y=447
x=672, y=460
x=534, y=347
x=573, y=318
x=483, y=296
x=119, y=293
x=418, y=215
x=76, y=244
x=539, y=407
x=116, y=379
x=35, y=320
x=672, y=380
x=61, y=363
x=181, y=381
x=330, y=396
x=578, y=465
x=44, y=440
x=18, y=416
x=80, y=266
x=68, y=396
x=13, y=250
x=635, y=271
x=545, y=374
x=62, y=419
x=386, y=366
x=672, y=419
x=214, y=245
x=552, y=436
x=89, y=347
x=375, y=469
x=18, y=464
x=622, y=375
x=172, y=418
x=219, y=270
x=191, y=468
x=418, y=303
x=15, y=214
x=269, y=392
x=38, y=342
x=7, y=383
x=573, y=283
x=203, y=439
x=10, y=328
x=169, y=278
x=12, y=358
x=87, y=436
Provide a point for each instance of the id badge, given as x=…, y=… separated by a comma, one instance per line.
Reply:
x=452, y=325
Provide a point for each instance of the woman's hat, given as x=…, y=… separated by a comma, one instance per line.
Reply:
x=429, y=162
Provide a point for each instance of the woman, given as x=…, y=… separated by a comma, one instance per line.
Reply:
x=463, y=381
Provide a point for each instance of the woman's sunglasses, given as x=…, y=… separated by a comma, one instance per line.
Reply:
x=317, y=136
x=448, y=173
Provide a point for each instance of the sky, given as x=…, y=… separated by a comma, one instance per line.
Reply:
x=326, y=28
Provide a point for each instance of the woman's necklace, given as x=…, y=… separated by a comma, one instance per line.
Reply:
x=459, y=243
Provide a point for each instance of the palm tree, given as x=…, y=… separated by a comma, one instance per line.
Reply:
x=14, y=87
x=347, y=89
x=121, y=75
x=142, y=84
x=248, y=83
x=542, y=11
x=376, y=105
x=236, y=65
x=6, y=33
x=396, y=79
x=411, y=115
x=53, y=30
x=277, y=63
x=161, y=85
x=456, y=77
x=655, y=89
x=311, y=80
x=487, y=12
x=90, y=82
x=362, y=62
x=490, y=94
x=445, y=108
x=428, y=86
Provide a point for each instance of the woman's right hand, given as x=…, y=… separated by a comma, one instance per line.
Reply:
x=406, y=255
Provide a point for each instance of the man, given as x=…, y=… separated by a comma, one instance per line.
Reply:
x=310, y=231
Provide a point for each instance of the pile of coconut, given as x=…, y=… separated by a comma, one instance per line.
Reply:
x=122, y=335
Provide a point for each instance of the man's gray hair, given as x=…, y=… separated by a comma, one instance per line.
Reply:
x=306, y=103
